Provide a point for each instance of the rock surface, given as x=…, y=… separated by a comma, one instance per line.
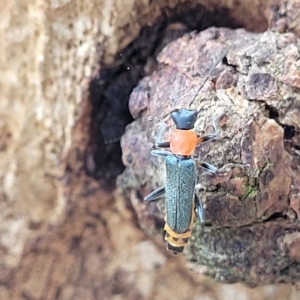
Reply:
x=251, y=211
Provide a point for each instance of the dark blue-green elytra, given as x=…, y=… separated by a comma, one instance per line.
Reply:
x=180, y=190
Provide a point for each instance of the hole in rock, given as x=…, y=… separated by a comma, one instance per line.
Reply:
x=111, y=87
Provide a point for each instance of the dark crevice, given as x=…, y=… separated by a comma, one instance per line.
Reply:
x=286, y=271
x=289, y=132
x=275, y=216
x=111, y=87
x=273, y=112
x=225, y=62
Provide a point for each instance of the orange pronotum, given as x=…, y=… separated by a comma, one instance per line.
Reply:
x=183, y=142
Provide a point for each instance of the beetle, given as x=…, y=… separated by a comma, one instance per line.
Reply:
x=182, y=204
x=179, y=192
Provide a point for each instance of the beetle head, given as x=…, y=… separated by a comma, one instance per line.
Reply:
x=184, y=118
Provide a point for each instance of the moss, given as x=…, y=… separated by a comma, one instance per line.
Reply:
x=251, y=191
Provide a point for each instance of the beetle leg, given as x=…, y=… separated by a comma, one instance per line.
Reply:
x=155, y=195
x=199, y=209
x=160, y=153
x=205, y=138
x=163, y=145
x=232, y=165
x=213, y=169
x=212, y=136
x=209, y=167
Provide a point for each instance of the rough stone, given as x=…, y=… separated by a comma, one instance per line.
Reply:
x=248, y=209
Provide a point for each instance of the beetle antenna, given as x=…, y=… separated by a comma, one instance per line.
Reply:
x=209, y=73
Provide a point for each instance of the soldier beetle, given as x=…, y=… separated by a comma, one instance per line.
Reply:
x=182, y=204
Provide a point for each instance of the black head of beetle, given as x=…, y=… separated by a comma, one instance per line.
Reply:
x=184, y=118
